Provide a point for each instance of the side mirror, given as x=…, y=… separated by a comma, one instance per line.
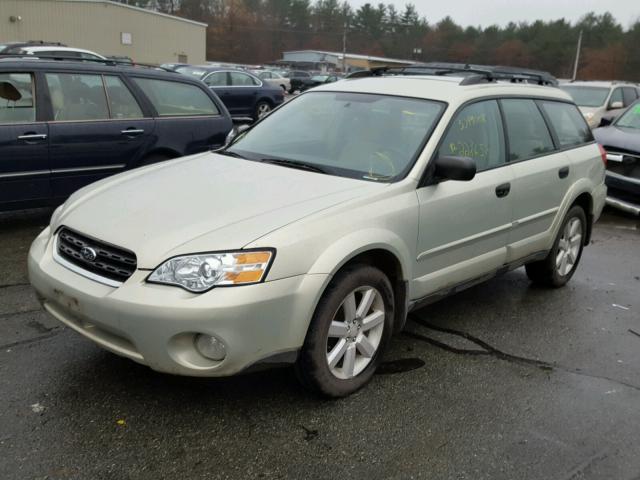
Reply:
x=234, y=133
x=616, y=105
x=455, y=168
x=605, y=121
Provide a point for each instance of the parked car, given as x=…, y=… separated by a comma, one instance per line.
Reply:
x=310, y=237
x=320, y=80
x=599, y=99
x=173, y=66
x=65, y=124
x=274, y=79
x=300, y=80
x=244, y=94
x=8, y=48
x=621, y=140
x=52, y=50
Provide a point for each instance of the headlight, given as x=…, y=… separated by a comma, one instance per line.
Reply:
x=201, y=272
x=588, y=117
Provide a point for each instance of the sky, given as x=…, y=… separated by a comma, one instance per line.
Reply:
x=489, y=12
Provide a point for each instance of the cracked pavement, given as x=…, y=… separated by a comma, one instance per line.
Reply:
x=502, y=381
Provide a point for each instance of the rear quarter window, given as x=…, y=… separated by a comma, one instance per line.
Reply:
x=176, y=99
x=567, y=122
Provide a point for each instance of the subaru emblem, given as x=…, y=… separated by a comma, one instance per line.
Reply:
x=88, y=254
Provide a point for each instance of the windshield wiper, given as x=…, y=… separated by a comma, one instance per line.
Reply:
x=230, y=154
x=295, y=164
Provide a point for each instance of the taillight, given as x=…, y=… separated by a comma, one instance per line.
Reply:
x=603, y=154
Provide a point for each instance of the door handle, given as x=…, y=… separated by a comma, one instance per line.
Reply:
x=503, y=190
x=33, y=136
x=132, y=131
x=563, y=172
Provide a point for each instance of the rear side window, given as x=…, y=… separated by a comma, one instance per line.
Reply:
x=77, y=97
x=526, y=129
x=175, y=99
x=216, y=79
x=568, y=124
x=122, y=104
x=17, y=98
x=476, y=132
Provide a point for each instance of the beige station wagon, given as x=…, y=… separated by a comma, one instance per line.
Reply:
x=312, y=235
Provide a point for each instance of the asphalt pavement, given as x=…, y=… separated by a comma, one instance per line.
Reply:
x=502, y=381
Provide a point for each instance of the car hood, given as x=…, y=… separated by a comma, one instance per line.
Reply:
x=618, y=137
x=207, y=202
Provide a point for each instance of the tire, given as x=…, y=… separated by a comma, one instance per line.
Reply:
x=154, y=158
x=354, y=360
x=262, y=108
x=563, y=259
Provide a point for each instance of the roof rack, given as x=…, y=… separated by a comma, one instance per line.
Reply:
x=474, y=74
x=64, y=58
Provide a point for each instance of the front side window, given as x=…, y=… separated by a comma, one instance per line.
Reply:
x=176, y=99
x=17, y=103
x=476, y=132
x=616, y=97
x=630, y=118
x=568, y=123
x=630, y=95
x=121, y=102
x=526, y=129
x=357, y=135
x=587, y=96
x=77, y=96
x=216, y=79
x=242, y=79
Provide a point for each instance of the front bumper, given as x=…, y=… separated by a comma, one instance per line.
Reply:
x=155, y=324
x=624, y=192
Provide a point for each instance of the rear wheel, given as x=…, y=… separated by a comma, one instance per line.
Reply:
x=561, y=263
x=262, y=109
x=349, y=332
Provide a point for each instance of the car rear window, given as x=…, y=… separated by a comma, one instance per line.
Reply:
x=568, y=123
x=175, y=99
x=16, y=98
x=526, y=129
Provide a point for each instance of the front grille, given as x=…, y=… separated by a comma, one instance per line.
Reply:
x=630, y=164
x=111, y=262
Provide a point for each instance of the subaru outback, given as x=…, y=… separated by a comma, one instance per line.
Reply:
x=312, y=235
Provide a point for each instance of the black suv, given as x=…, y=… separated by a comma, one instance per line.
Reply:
x=65, y=124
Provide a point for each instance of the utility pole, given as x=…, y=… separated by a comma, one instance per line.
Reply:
x=575, y=65
x=344, y=49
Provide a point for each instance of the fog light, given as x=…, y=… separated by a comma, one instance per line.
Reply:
x=210, y=347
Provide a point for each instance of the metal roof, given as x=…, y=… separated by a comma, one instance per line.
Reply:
x=139, y=9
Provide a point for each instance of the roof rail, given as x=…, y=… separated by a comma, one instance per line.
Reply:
x=63, y=58
x=474, y=74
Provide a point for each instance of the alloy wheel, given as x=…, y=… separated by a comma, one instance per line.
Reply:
x=263, y=109
x=569, y=247
x=355, y=332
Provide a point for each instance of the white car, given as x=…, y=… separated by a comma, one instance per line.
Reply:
x=310, y=238
x=601, y=99
x=62, y=52
x=273, y=79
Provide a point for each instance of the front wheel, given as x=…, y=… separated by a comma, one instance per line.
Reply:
x=561, y=263
x=349, y=332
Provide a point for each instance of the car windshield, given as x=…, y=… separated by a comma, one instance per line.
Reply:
x=365, y=136
x=630, y=118
x=587, y=96
x=193, y=71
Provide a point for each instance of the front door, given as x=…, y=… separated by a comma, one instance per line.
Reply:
x=464, y=226
x=24, y=143
x=97, y=129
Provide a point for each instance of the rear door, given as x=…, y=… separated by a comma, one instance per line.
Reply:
x=464, y=226
x=24, y=142
x=97, y=129
x=542, y=171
